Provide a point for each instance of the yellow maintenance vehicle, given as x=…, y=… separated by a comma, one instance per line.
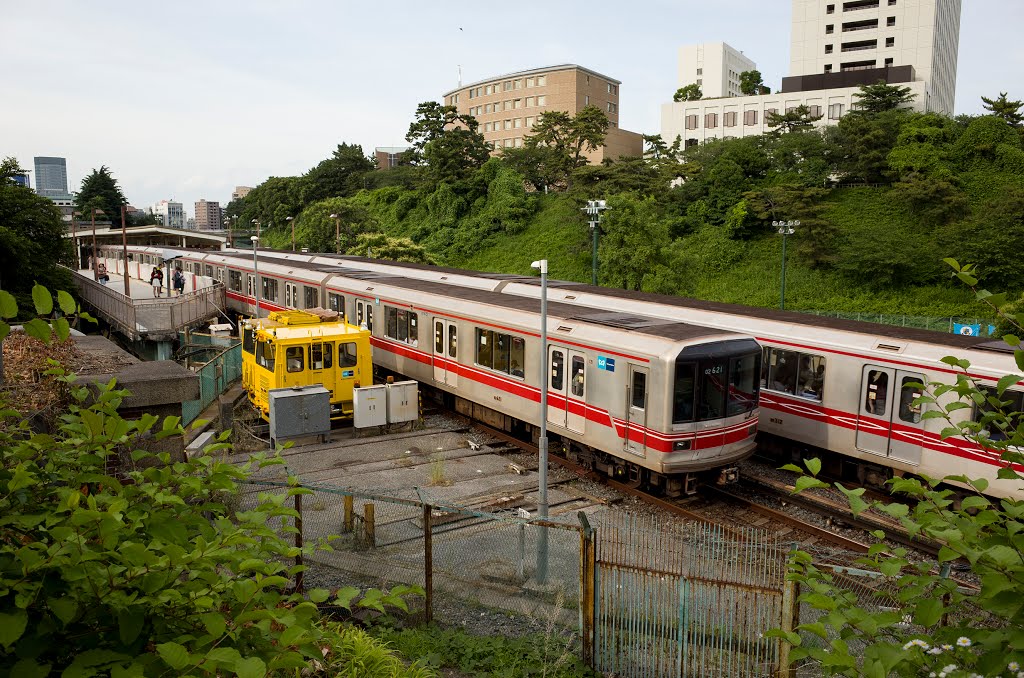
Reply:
x=302, y=348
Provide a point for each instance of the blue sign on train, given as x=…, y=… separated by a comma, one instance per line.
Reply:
x=604, y=363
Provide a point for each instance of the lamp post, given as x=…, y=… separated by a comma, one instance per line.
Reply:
x=337, y=233
x=124, y=252
x=291, y=219
x=227, y=225
x=95, y=272
x=256, y=272
x=542, y=443
x=593, y=210
x=256, y=223
x=786, y=229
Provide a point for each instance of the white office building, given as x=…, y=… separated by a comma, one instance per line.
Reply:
x=169, y=213
x=836, y=48
x=715, y=67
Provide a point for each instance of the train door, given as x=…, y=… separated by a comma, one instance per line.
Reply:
x=567, y=388
x=446, y=352
x=364, y=314
x=321, y=366
x=888, y=422
x=636, y=411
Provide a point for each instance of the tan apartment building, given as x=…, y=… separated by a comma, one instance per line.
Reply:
x=507, y=106
x=208, y=216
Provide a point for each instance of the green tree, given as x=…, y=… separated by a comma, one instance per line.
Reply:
x=568, y=139
x=339, y=176
x=634, y=237
x=691, y=92
x=447, y=141
x=929, y=625
x=860, y=145
x=880, y=97
x=32, y=240
x=992, y=238
x=541, y=166
x=752, y=83
x=1005, y=109
x=99, y=189
x=815, y=241
x=316, y=229
x=272, y=202
x=380, y=246
x=799, y=119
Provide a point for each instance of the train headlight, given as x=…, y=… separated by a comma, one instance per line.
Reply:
x=681, y=445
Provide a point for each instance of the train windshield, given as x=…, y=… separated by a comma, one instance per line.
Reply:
x=715, y=381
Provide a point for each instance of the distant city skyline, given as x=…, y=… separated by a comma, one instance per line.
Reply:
x=283, y=85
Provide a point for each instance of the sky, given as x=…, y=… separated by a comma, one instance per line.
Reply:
x=184, y=100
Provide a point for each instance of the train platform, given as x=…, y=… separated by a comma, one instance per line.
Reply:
x=138, y=289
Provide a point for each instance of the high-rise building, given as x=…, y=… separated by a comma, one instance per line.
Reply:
x=22, y=179
x=240, y=192
x=508, y=106
x=51, y=176
x=169, y=213
x=208, y=216
x=715, y=67
x=837, y=47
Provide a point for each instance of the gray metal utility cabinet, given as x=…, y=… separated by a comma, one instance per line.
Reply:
x=370, y=406
x=299, y=411
x=403, y=402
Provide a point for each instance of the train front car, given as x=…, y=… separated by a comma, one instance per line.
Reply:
x=710, y=413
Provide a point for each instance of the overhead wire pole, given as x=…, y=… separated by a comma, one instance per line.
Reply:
x=542, y=444
x=124, y=253
x=594, y=209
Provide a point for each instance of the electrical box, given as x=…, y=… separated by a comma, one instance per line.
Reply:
x=371, y=406
x=299, y=411
x=403, y=402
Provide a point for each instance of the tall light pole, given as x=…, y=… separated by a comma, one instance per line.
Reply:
x=291, y=219
x=124, y=252
x=542, y=444
x=337, y=233
x=256, y=223
x=786, y=229
x=227, y=225
x=95, y=272
x=256, y=272
x=593, y=210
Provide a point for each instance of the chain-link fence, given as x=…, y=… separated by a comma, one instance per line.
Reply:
x=222, y=367
x=915, y=321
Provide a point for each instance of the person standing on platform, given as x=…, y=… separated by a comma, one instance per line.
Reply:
x=156, y=279
x=178, y=279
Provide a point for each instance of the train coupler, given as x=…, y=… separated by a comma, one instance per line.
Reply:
x=728, y=475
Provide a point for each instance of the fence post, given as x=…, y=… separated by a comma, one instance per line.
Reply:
x=348, y=518
x=790, y=620
x=298, y=542
x=944, y=573
x=370, y=526
x=428, y=564
x=588, y=563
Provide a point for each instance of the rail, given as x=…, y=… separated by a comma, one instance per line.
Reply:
x=150, y=318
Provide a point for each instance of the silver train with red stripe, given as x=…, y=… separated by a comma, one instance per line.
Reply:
x=826, y=385
x=642, y=398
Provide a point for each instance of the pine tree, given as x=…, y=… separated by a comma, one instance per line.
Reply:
x=1005, y=109
x=100, y=190
x=880, y=97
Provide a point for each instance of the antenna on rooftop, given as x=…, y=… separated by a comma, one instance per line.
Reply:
x=460, y=75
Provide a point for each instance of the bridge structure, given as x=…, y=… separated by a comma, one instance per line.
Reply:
x=143, y=315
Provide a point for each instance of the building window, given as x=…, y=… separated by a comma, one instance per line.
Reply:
x=519, y=84
x=529, y=122
x=711, y=120
x=542, y=80
x=508, y=85
x=700, y=71
x=888, y=62
x=890, y=42
x=749, y=118
x=890, y=21
x=815, y=111
x=828, y=68
x=506, y=105
x=612, y=108
x=691, y=122
x=586, y=99
x=829, y=29
x=530, y=82
x=530, y=102
x=542, y=100
x=508, y=124
x=790, y=109
x=518, y=123
x=828, y=49
x=892, y=3
x=830, y=9
x=519, y=142
x=729, y=119
x=770, y=111
x=835, y=111
x=517, y=103
x=509, y=142
x=700, y=82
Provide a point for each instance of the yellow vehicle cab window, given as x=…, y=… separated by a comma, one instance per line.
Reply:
x=294, y=358
x=265, y=355
x=347, y=355
x=328, y=357
x=248, y=339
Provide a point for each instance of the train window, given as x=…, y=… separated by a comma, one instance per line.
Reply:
x=252, y=285
x=711, y=394
x=248, y=339
x=414, y=332
x=452, y=341
x=877, y=392
x=265, y=355
x=269, y=289
x=909, y=412
x=502, y=344
x=1012, y=406
x=557, y=370
x=294, y=358
x=438, y=337
x=517, y=357
x=328, y=356
x=209, y=271
x=369, y=317
x=312, y=297
x=347, y=355
x=401, y=324
x=484, y=348
x=359, y=313
x=577, y=376
x=235, y=280
x=638, y=399
x=336, y=302
x=683, y=392
x=743, y=386
x=801, y=374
